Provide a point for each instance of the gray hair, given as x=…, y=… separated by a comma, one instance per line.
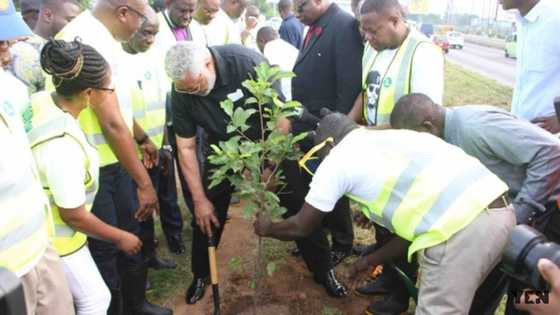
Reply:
x=185, y=58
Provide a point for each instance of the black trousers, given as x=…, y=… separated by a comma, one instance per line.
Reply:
x=170, y=214
x=220, y=196
x=392, y=280
x=315, y=248
x=115, y=204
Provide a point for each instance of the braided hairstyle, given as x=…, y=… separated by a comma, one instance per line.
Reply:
x=74, y=66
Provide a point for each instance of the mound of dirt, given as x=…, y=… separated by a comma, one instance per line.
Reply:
x=291, y=290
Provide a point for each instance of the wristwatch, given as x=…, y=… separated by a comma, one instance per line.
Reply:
x=167, y=148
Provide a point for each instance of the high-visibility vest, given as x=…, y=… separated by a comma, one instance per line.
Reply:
x=395, y=82
x=92, y=32
x=24, y=211
x=50, y=123
x=148, y=104
x=428, y=190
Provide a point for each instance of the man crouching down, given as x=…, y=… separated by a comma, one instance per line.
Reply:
x=441, y=202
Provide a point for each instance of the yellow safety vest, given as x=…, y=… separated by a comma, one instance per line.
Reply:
x=425, y=196
x=92, y=32
x=48, y=124
x=23, y=206
x=148, y=103
x=394, y=84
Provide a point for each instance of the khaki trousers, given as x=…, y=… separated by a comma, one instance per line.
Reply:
x=451, y=272
x=45, y=288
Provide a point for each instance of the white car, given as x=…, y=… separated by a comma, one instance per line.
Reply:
x=456, y=40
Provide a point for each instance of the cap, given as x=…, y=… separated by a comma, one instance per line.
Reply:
x=12, y=23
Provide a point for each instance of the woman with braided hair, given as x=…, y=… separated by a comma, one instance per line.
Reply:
x=69, y=166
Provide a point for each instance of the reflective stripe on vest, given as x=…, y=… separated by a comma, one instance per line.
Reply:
x=148, y=103
x=48, y=127
x=422, y=204
x=394, y=84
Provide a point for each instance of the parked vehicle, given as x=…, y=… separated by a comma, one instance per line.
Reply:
x=442, y=42
x=511, y=46
x=427, y=29
x=456, y=40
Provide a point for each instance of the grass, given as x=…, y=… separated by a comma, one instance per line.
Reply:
x=462, y=87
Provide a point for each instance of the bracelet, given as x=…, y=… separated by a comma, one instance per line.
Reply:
x=143, y=140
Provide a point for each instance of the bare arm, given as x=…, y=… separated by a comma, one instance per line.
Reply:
x=295, y=227
x=106, y=108
x=84, y=221
x=203, y=208
x=357, y=109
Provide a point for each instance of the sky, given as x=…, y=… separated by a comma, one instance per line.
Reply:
x=483, y=8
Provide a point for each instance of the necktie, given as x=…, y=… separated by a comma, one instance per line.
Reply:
x=309, y=35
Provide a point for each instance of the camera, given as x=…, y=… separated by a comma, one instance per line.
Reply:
x=522, y=256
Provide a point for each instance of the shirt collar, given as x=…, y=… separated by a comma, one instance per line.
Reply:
x=449, y=133
x=533, y=15
x=220, y=66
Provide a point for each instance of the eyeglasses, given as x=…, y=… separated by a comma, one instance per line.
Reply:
x=301, y=6
x=189, y=91
x=309, y=162
x=140, y=14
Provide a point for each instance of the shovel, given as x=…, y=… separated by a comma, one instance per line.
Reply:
x=214, y=274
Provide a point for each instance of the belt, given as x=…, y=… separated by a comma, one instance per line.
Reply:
x=501, y=202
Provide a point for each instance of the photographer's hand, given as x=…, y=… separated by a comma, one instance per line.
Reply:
x=551, y=273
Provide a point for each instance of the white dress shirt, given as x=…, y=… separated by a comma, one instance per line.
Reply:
x=538, y=61
x=282, y=54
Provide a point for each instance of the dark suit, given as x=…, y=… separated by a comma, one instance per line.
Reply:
x=329, y=69
x=328, y=74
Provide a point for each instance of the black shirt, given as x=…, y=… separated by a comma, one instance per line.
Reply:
x=234, y=64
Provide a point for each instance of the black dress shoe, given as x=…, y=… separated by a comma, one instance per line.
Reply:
x=373, y=287
x=334, y=287
x=338, y=256
x=296, y=252
x=159, y=263
x=391, y=305
x=175, y=244
x=196, y=290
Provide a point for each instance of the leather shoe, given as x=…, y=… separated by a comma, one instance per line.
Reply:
x=338, y=256
x=175, y=244
x=296, y=252
x=334, y=287
x=373, y=287
x=196, y=290
x=390, y=305
x=159, y=263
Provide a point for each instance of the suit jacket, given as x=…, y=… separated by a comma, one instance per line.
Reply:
x=329, y=69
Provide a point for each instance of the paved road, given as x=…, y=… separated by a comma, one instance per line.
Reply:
x=487, y=61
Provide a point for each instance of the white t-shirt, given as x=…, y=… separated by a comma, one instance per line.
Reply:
x=365, y=159
x=221, y=30
x=94, y=33
x=60, y=163
x=427, y=68
x=280, y=53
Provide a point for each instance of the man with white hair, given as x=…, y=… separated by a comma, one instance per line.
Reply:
x=202, y=78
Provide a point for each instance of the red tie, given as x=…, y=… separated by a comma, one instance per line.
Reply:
x=309, y=34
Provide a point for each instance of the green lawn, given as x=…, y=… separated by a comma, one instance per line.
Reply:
x=461, y=87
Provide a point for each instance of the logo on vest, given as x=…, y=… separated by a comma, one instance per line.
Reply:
x=387, y=82
x=148, y=75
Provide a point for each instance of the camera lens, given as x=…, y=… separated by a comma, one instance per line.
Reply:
x=522, y=255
